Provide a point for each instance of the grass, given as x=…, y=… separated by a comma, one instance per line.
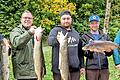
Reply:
x=114, y=74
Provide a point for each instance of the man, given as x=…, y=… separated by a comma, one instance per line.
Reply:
x=116, y=54
x=96, y=63
x=74, y=47
x=21, y=39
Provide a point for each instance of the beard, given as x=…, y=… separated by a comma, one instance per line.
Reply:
x=66, y=25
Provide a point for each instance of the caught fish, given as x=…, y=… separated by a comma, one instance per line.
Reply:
x=38, y=54
x=5, y=59
x=100, y=46
x=63, y=56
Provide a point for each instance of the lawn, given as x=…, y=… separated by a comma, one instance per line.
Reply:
x=114, y=74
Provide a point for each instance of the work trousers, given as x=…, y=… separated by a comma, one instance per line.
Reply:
x=102, y=74
x=72, y=76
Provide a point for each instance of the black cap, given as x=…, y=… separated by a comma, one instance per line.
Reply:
x=65, y=12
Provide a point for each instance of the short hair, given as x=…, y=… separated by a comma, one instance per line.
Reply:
x=65, y=12
x=26, y=11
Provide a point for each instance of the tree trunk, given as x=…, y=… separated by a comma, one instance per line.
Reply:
x=107, y=16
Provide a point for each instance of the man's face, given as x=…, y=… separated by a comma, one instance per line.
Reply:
x=27, y=20
x=94, y=25
x=66, y=21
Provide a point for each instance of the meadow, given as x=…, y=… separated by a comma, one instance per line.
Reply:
x=114, y=74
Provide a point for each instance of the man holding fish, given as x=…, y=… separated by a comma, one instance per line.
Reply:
x=67, y=56
x=96, y=59
x=22, y=40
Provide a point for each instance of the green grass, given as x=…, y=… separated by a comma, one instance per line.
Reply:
x=114, y=74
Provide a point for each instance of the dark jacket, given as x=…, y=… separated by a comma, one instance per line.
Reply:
x=22, y=53
x=74, y=49
x=95, y=60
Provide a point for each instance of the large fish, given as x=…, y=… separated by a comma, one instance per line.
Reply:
x=38, y=54
x=100, y=46
x=63, y=56
x=5, y=59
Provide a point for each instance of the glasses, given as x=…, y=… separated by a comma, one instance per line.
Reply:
x=27, y=18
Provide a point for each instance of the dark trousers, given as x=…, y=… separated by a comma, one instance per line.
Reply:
x=97, y=74
x=73, y=76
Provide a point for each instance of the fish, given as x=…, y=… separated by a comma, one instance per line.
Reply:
x=100, y=46
x=63, y=56
x=38, y=56
x=5, y=58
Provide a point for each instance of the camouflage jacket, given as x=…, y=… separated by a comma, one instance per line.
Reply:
x=22, y=53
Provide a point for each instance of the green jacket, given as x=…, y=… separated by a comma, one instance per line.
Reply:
x=22, y=53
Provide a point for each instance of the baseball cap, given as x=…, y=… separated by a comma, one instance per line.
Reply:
x=65, y=12
x=94, y=18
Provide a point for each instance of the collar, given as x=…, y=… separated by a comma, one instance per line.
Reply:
x=96, y=32
x=90, y=35
x=65, y=28
x=22, y=27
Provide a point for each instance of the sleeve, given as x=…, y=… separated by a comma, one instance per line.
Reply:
x=116, y=54
x=108, y=53
x=19, y=40
x=87, y=53
x=81, y=54
x=52, y=38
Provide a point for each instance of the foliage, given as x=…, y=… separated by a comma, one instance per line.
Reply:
x=46, y=13
x=85, y=8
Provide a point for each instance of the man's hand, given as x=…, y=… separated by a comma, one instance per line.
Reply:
x=38, y=33
x=118, y=67
x=82, y=71
x=108, y=50
x=61, y=37
x=32, y=29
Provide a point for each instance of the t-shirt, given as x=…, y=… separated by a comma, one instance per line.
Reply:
x=96, y=36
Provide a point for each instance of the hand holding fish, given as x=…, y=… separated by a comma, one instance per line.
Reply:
x=108, y=50
x=38, y=33
x=61, y=37
x=32, y=29
x=82, y=71
x=118, y=67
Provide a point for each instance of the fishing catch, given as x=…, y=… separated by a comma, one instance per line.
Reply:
x=63, y=56
x=38, y=54
x=100, y=46
x=5, y=59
